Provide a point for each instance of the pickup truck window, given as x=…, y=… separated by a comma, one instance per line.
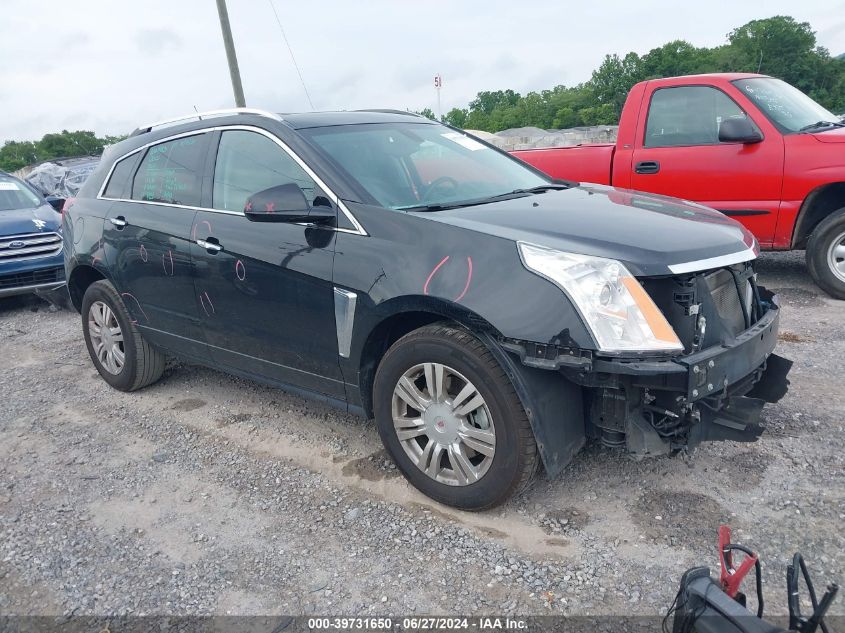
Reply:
x=789, y=109
x=688, y=115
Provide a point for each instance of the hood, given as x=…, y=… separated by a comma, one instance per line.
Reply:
x=43, y=219
x=833, y=135
x=651, y=235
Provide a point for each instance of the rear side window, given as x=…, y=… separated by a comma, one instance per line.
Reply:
x=120, y=177
x=688, y=115
x=171, y=172
x=247, y=163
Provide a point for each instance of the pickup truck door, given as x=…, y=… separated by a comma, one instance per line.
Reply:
x=678, y=153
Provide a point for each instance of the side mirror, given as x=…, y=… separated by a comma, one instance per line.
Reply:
x=739, y=131
x=286, y=203
x=56, y=202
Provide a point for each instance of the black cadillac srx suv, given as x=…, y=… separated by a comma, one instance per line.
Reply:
x=489, y=318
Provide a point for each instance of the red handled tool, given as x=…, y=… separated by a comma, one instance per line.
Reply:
x=731, y=577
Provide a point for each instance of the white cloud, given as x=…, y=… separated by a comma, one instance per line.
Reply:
x=110, y=65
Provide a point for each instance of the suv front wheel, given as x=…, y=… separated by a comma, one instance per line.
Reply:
x=449, y=417
x=119, y=352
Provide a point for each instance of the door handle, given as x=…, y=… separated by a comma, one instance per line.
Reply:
x=211, y=247
x=647, y=167
x=119, y=221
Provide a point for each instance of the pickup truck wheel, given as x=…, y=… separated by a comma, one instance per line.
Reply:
x=119, y=352
x=826, y=254
x=450, y=419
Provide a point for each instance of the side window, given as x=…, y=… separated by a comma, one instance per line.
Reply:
x=172, y=172
x=249, y=162
x=688, y=115
x=120, y=176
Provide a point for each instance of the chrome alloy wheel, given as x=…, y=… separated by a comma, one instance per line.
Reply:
x=836, y=257
x=443, y=424
x=106, y=337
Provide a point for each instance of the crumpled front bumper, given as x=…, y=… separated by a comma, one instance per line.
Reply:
x=721, y=390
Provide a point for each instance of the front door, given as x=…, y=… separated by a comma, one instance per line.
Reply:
x=679, y=154
x=264, y=288
x=147, y=238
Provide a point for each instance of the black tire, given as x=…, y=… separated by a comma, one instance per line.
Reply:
x=825, y=236
x=515, y=460
x=143, y=364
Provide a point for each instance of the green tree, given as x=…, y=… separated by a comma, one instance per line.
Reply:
x=457, y=117
x=79, y=143
x=15, y=155
x=427, y=113
x=612, y=80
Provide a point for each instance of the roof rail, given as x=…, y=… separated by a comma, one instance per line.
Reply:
x=391, y=111
x=200, y=115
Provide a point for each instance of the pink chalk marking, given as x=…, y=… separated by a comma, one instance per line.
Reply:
x=269, y=207
x=194, y=230
x=439, y=266
x=240, y=270
x=138, y=303
x=203, y=298
x=143, y=252
x=469, y=279
x=164, y=259
x=432, y=273
x=248, y=206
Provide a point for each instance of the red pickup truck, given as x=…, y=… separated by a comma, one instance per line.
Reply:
x=751, y=146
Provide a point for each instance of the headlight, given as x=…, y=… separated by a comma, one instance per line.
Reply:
x=615, y=307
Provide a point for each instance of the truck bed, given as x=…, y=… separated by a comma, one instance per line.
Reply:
x=582, y=163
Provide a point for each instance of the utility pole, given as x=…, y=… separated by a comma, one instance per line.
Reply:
x=229, y=43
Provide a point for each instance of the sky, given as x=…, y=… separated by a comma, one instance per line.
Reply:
x=112, y=65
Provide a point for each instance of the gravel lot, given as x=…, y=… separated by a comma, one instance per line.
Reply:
x=209, y=494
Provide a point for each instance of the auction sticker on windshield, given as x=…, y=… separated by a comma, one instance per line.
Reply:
x=464, y=141
x=8, y=186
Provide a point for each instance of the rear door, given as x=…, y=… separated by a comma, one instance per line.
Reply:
x=147, y=236
x=265, y=290
x=678, y=154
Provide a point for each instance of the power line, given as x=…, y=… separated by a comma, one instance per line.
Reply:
x=290, y=50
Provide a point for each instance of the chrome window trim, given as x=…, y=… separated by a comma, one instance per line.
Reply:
x=359, y=230
x=716, y=262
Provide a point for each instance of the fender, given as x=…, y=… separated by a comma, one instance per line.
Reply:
x=554, y=407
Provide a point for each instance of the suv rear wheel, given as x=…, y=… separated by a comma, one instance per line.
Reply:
x=449, y=417
x=826, y=254
x=119, y=352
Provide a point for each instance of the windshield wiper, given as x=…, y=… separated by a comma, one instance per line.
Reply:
x=821, y=124
x=477, y=201
x=531, y=190
x=435, y=207
x=547, y=187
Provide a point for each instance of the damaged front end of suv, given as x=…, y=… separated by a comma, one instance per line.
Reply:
x=708, y=376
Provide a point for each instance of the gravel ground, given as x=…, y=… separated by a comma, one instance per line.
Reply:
x=209, y=494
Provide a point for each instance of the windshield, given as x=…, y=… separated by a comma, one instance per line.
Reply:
x=16, y=195
x=417, y=165
x=784, y=105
